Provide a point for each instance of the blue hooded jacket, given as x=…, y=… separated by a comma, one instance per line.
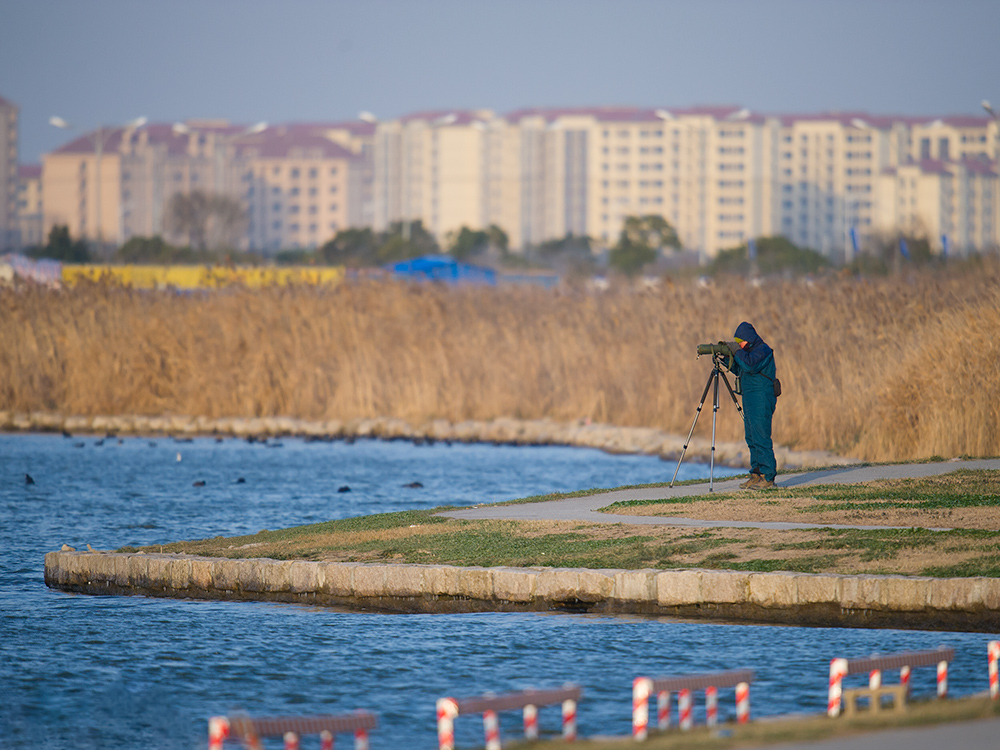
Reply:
x=756, y=360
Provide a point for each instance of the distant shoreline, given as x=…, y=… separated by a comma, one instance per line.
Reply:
x=500, y=431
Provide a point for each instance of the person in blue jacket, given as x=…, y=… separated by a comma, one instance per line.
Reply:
x=753, y=364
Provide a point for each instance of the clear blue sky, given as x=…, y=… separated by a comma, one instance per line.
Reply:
x=108, y=61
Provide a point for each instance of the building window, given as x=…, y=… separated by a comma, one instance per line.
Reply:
x=333, y=188
x=333, y=170
x=295, y=172
x=333, y=206
x=313, y=173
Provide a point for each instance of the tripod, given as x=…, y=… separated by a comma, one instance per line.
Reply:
x=713, y=382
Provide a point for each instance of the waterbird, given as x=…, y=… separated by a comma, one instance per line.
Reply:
x=413, y=485
x=241, y=480
x=199, y=483
x=99, y=442
x=28, y=479
x=67, y=434
x=78, y=445
x=152, y=444
x=345, y=488
x=178, y=455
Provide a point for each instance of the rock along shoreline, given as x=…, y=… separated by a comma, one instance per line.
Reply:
x=965, y=604
x=501, y=431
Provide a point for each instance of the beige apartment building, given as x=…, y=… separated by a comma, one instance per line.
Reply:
x=297, y=184
x=720, y=175
x=9, y=230
x=953, y=204
x=544, y=173
x=30, y=215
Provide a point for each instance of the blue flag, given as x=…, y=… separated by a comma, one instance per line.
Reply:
x=752, y=249
x=903, y=248
x=944, y=245
x=854, y=239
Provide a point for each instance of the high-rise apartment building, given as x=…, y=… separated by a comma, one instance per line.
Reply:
x=720, y=175
x=297, y=185
x=9, y=230
x=29, y=205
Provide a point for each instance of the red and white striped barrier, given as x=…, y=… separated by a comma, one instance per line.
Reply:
x=449, y=709
x=290, y=729
x=993, y=658
x=875, y=665
x=644, y=687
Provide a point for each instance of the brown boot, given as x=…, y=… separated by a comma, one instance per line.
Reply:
x=752, y=481
x=763, y=484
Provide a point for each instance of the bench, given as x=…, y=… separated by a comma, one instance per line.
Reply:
x=875, y=696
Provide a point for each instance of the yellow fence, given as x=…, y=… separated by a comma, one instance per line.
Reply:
x=201, y=277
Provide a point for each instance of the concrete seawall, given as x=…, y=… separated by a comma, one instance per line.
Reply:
x=970, y=604
x=507, y=431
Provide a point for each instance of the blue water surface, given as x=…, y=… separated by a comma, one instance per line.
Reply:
x=130, y=672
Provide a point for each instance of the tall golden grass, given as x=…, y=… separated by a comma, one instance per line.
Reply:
x=883, y=369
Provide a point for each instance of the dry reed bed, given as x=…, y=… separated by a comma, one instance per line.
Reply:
x=885, y=369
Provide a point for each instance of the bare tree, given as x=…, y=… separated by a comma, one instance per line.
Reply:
x=205, y=220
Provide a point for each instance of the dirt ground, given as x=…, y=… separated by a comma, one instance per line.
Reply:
x=759, y=506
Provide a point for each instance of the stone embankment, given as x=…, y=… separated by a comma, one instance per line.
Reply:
x=504, y=431
x=971, y=604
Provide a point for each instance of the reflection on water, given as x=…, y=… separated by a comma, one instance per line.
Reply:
x=129, y=672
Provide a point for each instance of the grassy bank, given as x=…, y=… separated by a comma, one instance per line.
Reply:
x=423, y=537
x=884, y=369
x=809, y=729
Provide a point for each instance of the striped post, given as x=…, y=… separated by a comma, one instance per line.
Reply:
x=491, y=726
x=838, y=670
x=326, y=740
x=742, y=703
x=904, y=679
x=875, y=679
x=218, y=731
x=291, y=741
x=531, y=722
x=360, y=739
x=447, y=712
x=942, y=679
x=993, y=657
x=641, y=688
x=684, y=709
x=663, y=710
x=569, y=719
x=711, y=706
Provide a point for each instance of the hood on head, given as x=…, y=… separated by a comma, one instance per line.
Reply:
x=747, y=332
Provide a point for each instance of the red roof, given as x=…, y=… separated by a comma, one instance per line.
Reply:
x=354, y=127
x=980, y=166
x=273, y=142
x=281, y=142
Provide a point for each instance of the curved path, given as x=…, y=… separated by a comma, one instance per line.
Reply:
x=585, y=508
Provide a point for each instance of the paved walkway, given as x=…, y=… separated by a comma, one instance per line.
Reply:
x=585, y=508
x=969, y=735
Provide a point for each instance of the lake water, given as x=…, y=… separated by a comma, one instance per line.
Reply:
x=130, y=672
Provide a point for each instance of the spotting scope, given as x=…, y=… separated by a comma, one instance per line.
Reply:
x=722, y=348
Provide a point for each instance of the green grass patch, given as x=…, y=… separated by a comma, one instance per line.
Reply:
x=963, y=488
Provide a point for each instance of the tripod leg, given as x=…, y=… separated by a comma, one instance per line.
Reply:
x=704, y=394
x=732, y=395
x=715, y=412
